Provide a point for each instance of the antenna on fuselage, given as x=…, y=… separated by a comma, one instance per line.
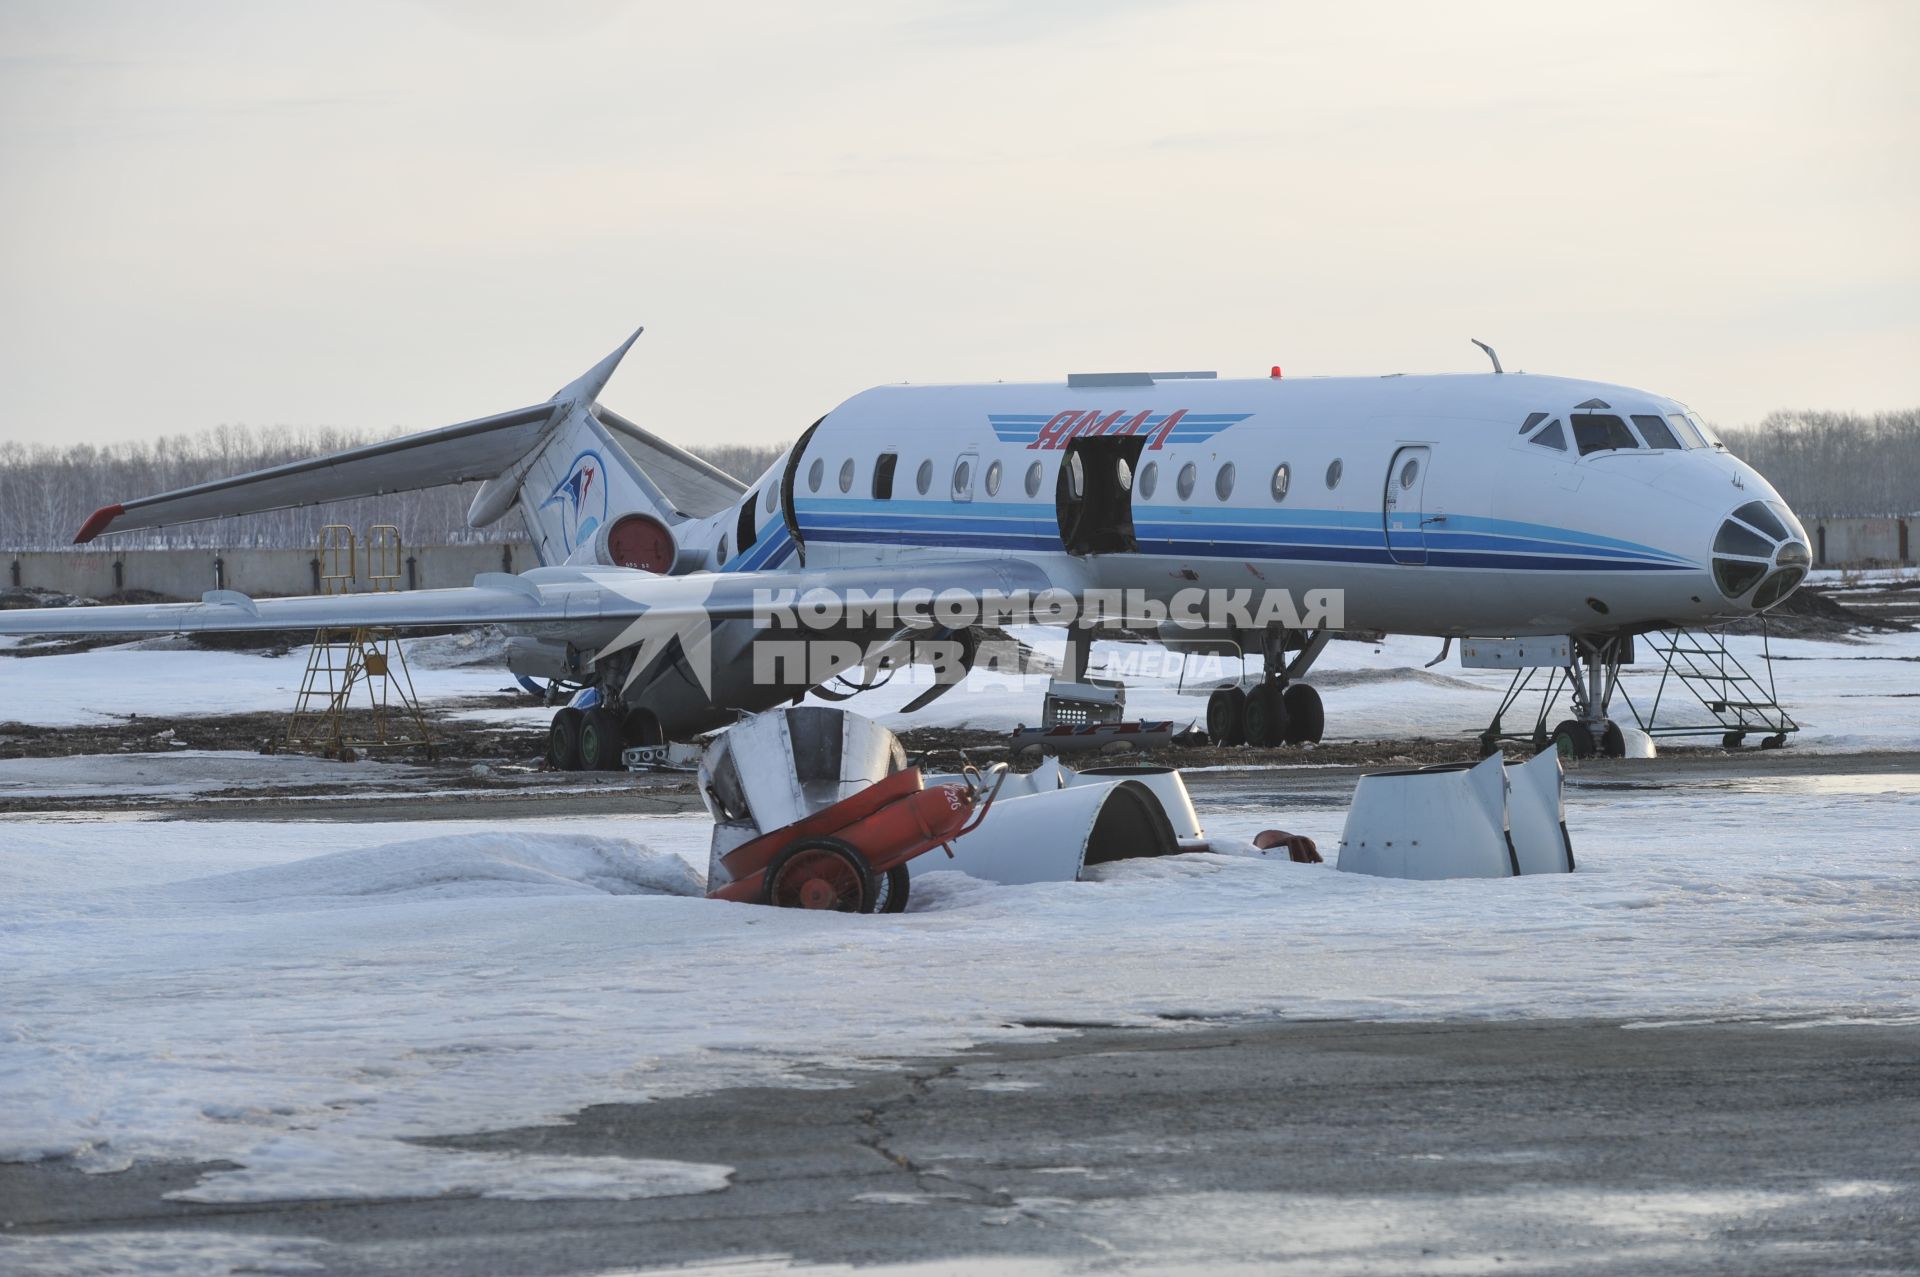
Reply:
x=1490, y=355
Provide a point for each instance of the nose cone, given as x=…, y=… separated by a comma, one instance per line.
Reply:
x=1761, y=545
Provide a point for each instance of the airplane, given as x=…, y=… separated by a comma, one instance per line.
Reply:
x=1453, y=506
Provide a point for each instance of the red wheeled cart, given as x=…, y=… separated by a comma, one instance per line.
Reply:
x=814, y=808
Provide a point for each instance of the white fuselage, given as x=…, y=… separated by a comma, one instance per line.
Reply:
x=1491, y=531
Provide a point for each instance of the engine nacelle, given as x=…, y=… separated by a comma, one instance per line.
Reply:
x=630, y=541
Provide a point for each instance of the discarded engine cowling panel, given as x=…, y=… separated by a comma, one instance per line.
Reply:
x=1165, y=782
x=1054, y=835
x=1537, y=815
x=815, y=808
x=1092, y=737
x=1458, y=821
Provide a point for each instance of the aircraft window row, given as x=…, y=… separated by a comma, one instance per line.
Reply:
x=1333, y=474
x=1282, y=477
x=1605, y=432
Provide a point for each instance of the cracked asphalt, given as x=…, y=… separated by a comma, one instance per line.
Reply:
x=1279, y=1146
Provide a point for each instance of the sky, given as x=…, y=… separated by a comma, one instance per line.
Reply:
x=406, y=214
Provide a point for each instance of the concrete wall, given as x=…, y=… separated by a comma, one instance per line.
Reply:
x=187, y=574
x=1851, y=542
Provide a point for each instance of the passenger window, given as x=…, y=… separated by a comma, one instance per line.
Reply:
x=962, y=478
x=1684, y=428
x=1184, y=483
x=883, y=475
x=723, y=548
x=773, y=496
x=846, y=475
x=1655, y=432
x=1602, y=432
x=1552, y=437
x=1149, y=480
x=744, y=531
x=1533, y=419
x=1033, y=479
x=923, y=477
x=1223, y=482
x=1282, y=477
x=993, y=479
x=1333, y=473
x=815, y=473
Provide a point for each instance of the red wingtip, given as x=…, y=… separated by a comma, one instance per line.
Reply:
x=97, y=522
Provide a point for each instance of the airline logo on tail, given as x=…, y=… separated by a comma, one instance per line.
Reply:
x=1062, y=428
x=582, y=498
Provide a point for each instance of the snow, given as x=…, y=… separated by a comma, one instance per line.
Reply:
x=304, y=999
x=108, y=684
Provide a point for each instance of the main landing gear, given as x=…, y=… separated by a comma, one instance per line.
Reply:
x=1277, y=711
x=593, y=739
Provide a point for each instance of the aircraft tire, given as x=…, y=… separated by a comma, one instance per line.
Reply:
x=1227, y=717
x=643, y=728
x=563, y=740
x=1613, y=743
x=1266, y=716
x=1573, y=739
x=601, y=741
x=1306, y=717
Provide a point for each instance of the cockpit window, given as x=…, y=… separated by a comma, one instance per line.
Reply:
x=1602, y=432
x=1533, y=419
x=1655, y=432
x=1684, y=428
x=1552, y=437
x=1705, y=430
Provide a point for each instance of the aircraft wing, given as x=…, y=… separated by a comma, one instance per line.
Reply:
x=543, y=597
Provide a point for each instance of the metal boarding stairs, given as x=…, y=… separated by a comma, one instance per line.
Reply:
x=370, y=661
x=1695, y=665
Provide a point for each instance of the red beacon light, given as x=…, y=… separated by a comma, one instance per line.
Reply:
x=1275, y=374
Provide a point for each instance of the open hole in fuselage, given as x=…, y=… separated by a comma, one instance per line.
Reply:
x=1094, y=494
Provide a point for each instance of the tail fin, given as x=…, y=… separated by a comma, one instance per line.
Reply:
x=550, y=458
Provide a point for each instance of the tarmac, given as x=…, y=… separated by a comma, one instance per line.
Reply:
x=1456, y=1146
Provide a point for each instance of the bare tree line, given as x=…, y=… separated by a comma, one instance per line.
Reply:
x=1824, y=463
x=1837, y=463
x=48, y=490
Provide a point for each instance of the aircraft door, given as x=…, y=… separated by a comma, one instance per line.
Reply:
x=1405, y=505
x=1093, y=495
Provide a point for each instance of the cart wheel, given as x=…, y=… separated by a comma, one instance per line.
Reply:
x=1774, y=742
x=1573, y=739
x=819, y=873
x=1227, y=717
x=893, y=890
x=1733, y=740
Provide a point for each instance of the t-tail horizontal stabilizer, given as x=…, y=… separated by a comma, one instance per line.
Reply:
x=486, y=448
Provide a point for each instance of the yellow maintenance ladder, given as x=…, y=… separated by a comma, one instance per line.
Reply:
x=362, y=659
